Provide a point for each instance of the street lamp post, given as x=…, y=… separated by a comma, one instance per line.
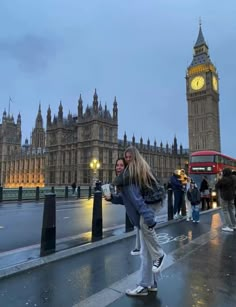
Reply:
x=94, y=165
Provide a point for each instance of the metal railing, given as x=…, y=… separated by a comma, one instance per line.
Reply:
x=18, y=194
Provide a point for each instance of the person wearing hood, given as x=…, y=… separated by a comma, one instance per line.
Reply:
x=227, y=187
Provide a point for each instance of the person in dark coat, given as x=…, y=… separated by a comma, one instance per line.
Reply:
x=178, y=190
x=193, y=195
x=227, y=187
x=205, y=194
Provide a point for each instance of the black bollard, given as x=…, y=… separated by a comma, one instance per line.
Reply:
x=48, y=236
x=66, y=192
x=89, y=192
x=78, y=192
x=37, y=193
x=97, y=216
x=170, y=204
x=128, y=225
x=1, y=191
x=20, y=194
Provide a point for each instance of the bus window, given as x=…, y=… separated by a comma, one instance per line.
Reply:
x=195, y=159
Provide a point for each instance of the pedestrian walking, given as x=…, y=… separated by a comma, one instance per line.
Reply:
x=205, y=194
x=227, y=187
x=187, y=201
x=194, y=197
x=136, y=177
x=178, y=190
x=73, y=186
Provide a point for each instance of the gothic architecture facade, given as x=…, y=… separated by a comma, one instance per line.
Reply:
x=202, y=85
x=62, y=153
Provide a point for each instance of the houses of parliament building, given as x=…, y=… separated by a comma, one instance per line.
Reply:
x=62, y=152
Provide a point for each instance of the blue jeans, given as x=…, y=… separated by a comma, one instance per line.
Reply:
x=195, y=212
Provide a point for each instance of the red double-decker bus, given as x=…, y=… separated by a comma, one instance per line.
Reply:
x=209, y=164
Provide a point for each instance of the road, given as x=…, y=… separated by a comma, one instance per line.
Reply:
x=21, y=223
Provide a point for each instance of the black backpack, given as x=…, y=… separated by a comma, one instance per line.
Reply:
x=154, y=194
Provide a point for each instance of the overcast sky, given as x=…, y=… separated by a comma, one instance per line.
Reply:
x=136, y=50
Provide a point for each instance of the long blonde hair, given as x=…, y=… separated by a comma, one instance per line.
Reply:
x=139, y=170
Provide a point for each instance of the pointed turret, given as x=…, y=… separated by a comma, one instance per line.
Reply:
x=80, y=107
x=38, y=133
x=60, y=113
x=125, y=139
x=95, y=102
x=19, y=120
x=115, y=109
x=39, y=119
x=49, y=117
x=141, y=142
x=133, y=140
x=175, y=146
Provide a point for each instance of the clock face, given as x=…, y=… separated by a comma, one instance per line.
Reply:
x=215, y=83
x=197, y=83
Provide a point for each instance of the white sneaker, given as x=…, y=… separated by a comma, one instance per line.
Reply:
x=135, y=252
x=228, y=229
x=176, y=216
x=139, y=291
x=187, y=219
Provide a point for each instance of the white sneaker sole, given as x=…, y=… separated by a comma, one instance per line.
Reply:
x=130, y=293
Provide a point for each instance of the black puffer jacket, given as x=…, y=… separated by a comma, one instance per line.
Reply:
x=227, y=185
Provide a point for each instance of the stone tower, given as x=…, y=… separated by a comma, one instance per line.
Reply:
x=10, y=141
x=202, y=87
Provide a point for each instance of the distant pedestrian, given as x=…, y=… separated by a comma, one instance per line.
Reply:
x=193, y=195
x=178, y=190
x=135, y=178
x=73, y=186
x=205, y=194
x=188, y=203
x=227, y=187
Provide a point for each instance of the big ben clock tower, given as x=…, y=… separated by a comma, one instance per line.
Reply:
x=202, y=84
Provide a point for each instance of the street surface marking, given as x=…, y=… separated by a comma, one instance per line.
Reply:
x=1, y=227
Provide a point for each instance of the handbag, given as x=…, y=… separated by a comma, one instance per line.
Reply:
x=154, y=194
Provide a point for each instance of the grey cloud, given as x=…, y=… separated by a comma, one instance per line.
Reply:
x=32, y=53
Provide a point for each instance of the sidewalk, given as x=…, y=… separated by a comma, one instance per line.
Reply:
x=199, y=271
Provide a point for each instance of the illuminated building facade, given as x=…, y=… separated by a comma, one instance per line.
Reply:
x=63, y=153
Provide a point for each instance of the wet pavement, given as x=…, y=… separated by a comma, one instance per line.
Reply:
x=200, y=271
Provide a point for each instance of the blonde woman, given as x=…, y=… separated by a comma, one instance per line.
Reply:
x=132, y=181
